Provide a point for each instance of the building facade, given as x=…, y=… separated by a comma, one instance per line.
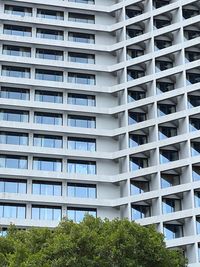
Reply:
x=100, y=114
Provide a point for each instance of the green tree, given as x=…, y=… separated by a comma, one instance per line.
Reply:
x=91, y=243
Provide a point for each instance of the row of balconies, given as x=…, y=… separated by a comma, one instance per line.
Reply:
x=139, y=8
x=167, y=179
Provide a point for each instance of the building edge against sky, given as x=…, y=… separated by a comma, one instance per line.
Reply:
x=99, y=110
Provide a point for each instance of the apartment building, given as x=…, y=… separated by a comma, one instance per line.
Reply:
x=100, y=114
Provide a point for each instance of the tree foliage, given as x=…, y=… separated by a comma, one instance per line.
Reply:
x=92, y=243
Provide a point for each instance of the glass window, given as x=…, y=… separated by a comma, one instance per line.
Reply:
x=84, y=144
x=168, y=156
x=171, y=205
x=12, y=211
x=47, y=164
x=18, y=10
x=81, y=121
x=12, y=138
x=82, y=18
x=140, y=211
x=16, y=72
x=17, y=30
x=137, y=139
x=138, y=163
x=46, y=118
x=49, y=213
x=49, y=75
x=135, y=95
x=14, y=93
x=78, y=214
x=12, y=186
x=19, y=51
x=81, y=190
x=81, y=99
x=16, y=162
x=81, y=37
x=139, y=187
x=82, y=167
x=135, y=117
x=50, y=14
x=50, y=34
x=46, y=188
x=131, y=33
x=47, y=141
x=48, y=96
x=83, y=1
x=81, y=58
x=14, y=115
x=166, y=132
x=172, y=231
x=49, y=54
x=81, y=78
x=134, y=74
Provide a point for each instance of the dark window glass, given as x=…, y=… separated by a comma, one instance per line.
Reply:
x=81, y=58
x=137, y=139
x=138, y=163
x=135, y=95
x=91, y=2
x=193, y=77
x=17, y=30
x=19, y=51
x=131, y=33
x=50, y=14
x=50, y=34
x=167, y=132
x=165, y=109
x=49, y=75
x=135, y=117
x=188, y=13
x=130, y=13
x=135, y=74
x=161, y=44
x=133, y=53
x=191, y=34
x=16, y=72
x=18, y=10
x=168, y=156
x=83, y=18
x=49, y=54
x=160, y=23
x=81, y=78
x=81, y=37
x=160, y=3
x=164, y=86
